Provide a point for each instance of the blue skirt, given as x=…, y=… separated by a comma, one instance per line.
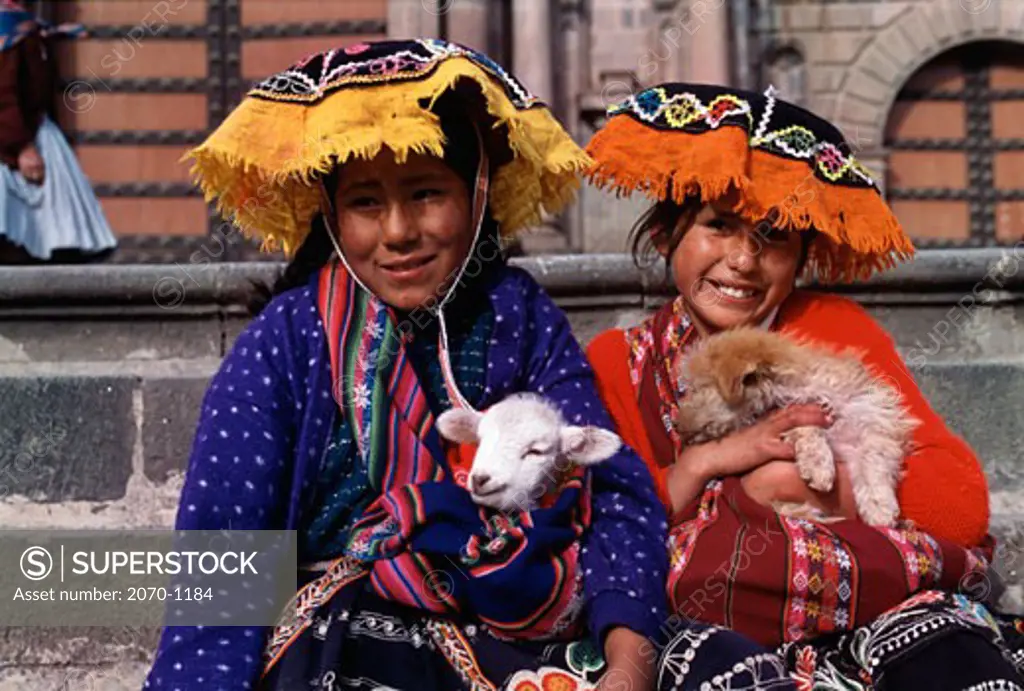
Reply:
x=61, y=214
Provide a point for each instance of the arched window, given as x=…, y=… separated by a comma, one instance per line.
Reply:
x=955, y=142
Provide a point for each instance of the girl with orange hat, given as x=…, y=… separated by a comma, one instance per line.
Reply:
x=749, y=193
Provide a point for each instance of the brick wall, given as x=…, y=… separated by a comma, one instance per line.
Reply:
x=860, y=54
x=188, y=62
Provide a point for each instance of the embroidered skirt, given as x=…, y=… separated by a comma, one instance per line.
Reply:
x=357, y=640
x=935, y=641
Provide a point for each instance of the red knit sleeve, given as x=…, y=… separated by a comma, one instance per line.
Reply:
x=609, y=356
x=34, y=88
x=944, y=489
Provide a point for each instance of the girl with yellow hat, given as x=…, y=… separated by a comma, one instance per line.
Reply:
x=392, y=173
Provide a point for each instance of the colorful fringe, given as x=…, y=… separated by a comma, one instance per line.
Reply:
x=674, y=147
x=261, y=163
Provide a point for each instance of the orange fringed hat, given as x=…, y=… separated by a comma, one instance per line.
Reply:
x=674, y=141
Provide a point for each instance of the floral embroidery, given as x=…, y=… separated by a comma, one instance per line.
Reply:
x=822, y=581
x=922, y=556
x=583, y=657
x=684, y=110
x=806, y=662
x=683, y=539
x=459, y=654
x=548, y=679
x=301, y=612
x=322, y=74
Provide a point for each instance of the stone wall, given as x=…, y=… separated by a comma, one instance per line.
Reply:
x=102, y=371
x=859, y=54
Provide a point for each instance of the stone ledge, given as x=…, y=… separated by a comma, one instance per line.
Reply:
x=176, y=290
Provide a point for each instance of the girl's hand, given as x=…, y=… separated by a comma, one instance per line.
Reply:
x=780, y=481
x=30, y=165
x=631, y=662
x=740, y=452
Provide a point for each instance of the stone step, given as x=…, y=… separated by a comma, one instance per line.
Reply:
x=75, y=659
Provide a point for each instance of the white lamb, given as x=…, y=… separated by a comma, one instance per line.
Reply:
x=525, y=448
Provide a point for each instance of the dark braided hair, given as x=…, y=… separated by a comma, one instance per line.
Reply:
x=460, y=154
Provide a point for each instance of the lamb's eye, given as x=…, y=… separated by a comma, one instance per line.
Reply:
x=534, y=452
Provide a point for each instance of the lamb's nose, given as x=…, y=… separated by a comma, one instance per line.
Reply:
x=479, y=482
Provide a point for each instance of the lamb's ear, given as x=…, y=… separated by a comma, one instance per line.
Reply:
x=589, y=445
x=459, y=425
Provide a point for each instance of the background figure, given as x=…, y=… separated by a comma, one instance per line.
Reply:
x=47, y=207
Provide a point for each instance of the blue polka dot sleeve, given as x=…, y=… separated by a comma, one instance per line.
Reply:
x=237, y=479
x=624, y=554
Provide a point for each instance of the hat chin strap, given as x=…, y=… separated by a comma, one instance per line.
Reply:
x=479, y=206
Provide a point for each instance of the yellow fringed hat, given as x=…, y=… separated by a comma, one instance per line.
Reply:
x=261, y=163
x=675, y=141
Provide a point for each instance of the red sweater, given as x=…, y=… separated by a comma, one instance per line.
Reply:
x=944, y=489
x=25, y=91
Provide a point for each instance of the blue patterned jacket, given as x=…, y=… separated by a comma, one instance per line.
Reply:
x=265, y=424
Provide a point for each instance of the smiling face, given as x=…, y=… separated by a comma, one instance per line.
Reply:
x=405, y=228
x=730, y=273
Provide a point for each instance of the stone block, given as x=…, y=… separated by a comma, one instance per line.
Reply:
x=84, y=646
x=964, y=331
x=66, y=438
x=117, y=677
x=940, y=20
x=854, y=114
x=975, y=16
x=607, y=220
x=847, y=16
x=825, y=78
x=1008, y=587
x=1011, y=17
x=802, y=17
x=105, y=340
x=885, y=13
x=899, y=51
x=171, y=412
x=982, y=403
x=586, y=324
x=878, y=63
x=824, y=105
x=232, y=328
x=918, y=31
x=840, y=47
x=865, y=86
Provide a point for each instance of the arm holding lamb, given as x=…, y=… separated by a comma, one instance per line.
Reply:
x=239, y=462
x=624, y=557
